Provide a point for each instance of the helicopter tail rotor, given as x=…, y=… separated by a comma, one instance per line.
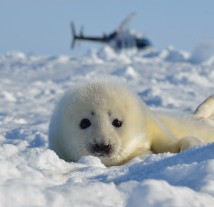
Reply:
x=74, y=36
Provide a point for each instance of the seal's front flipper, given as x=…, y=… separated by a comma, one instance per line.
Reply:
x=188, y=142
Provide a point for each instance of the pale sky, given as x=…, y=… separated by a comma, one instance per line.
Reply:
x=43, y=26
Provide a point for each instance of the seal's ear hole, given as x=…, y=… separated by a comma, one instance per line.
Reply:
x=117, y=123
x=85, y=123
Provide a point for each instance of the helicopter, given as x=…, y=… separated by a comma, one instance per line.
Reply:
x=120, y=39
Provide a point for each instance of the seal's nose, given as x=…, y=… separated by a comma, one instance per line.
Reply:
x=101, y=149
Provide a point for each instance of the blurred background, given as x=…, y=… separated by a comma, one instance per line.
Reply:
x=43, y=26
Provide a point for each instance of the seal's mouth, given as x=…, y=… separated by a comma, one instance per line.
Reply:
x=100, y=150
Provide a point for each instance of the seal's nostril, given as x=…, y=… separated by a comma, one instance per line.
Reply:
x=101, y=149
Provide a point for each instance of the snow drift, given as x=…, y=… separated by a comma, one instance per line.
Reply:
x=32, y=175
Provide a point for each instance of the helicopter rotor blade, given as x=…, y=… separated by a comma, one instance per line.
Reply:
x=125, y=22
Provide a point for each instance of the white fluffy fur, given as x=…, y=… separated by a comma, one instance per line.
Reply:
x=142, y=132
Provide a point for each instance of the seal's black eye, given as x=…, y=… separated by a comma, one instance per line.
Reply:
x=85, y=123
x=117, y=123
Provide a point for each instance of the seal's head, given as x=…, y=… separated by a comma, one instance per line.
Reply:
x=100, y=118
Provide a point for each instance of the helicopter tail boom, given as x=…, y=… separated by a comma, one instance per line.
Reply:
x=75, y=36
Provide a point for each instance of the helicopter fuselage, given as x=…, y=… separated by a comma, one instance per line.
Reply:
x=124, y=40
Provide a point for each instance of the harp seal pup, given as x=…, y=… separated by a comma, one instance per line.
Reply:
x=104, y=118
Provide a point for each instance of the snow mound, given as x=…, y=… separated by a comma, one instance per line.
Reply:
x=203, y=53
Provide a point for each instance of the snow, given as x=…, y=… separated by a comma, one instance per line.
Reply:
x=32, y=175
